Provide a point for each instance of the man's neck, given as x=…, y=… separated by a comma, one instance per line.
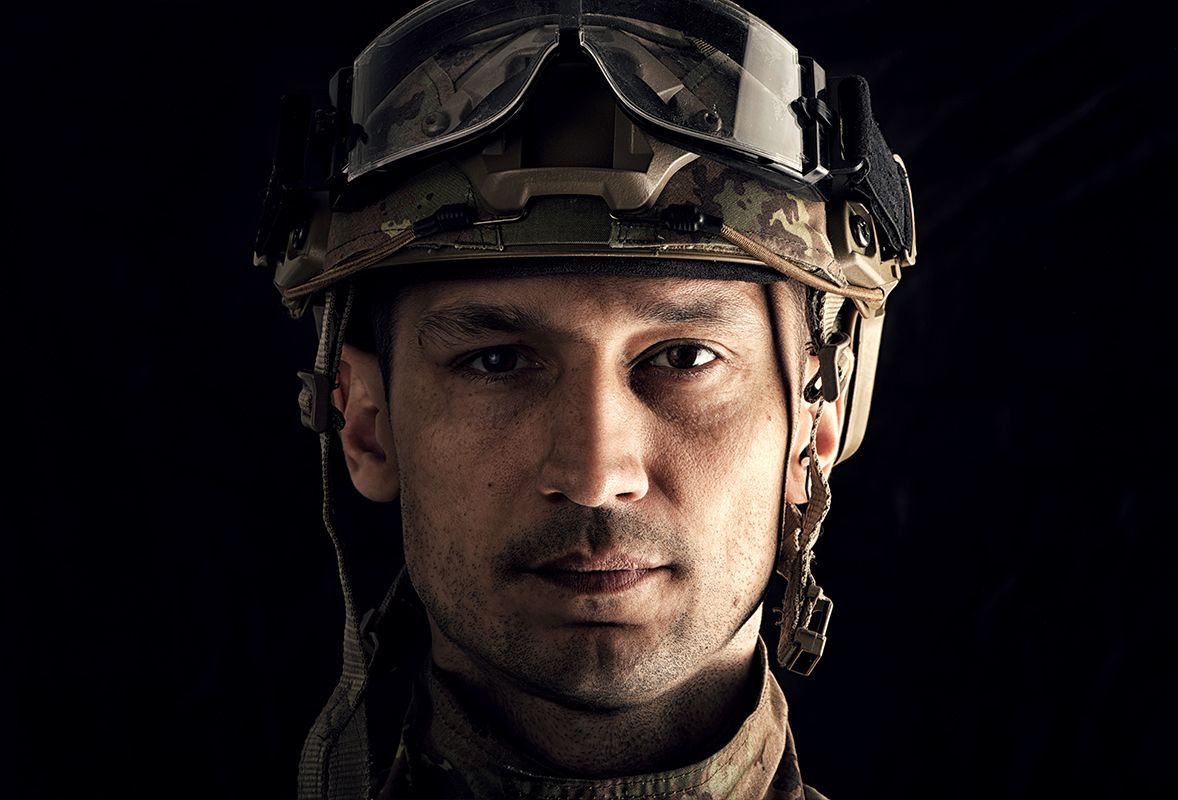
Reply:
x=682, y=725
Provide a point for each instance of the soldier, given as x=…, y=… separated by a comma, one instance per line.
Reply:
x=599, y=287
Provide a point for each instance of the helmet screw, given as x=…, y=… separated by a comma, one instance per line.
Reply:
x=861, y=230
x=707, y=120
x=435, y=123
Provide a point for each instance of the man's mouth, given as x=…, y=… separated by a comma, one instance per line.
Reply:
x=599, y=574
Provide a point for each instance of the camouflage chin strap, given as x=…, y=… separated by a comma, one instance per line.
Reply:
x=805, y=610
x=335, y=758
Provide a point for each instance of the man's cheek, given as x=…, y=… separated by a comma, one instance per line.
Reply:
x=445, y=560
x=706, y=465
x=459, y=491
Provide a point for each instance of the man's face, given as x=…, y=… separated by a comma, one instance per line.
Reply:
x=591, y=472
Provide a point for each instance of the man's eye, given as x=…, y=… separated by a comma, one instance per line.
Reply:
x=495, y=360
x=683, y=356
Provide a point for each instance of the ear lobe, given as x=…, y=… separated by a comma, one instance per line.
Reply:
x=830, y=427
x=367, y=435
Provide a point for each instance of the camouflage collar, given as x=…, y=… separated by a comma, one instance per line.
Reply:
x=442, y=755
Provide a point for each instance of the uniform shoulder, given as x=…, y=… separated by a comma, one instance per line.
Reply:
x=813, y=794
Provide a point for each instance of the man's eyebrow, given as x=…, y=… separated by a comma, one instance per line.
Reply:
x=468, y=321
x=472, y=320
x=717, y=311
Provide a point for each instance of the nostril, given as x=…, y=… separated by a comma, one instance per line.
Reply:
x=584, y=488
x=556, y=498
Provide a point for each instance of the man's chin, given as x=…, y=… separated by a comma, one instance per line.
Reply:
x=604, y=668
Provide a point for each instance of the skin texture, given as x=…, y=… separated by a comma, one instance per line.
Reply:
x=615, y=423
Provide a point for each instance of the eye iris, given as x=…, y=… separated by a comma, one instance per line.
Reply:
x=499, y=360
x=683, y=356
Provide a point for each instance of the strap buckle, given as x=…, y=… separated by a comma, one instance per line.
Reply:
x=807, y=645
x=835, y=360
x=834, y=365
x=315, y=409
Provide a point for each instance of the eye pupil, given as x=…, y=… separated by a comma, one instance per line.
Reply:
x=500, y=360
x=683, y=356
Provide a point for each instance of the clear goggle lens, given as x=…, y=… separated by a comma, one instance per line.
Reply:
x=705, y=71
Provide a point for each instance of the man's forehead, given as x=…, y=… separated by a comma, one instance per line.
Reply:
x=559, y=302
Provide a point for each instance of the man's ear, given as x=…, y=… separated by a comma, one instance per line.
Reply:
x=830, y=427
x=367, y=435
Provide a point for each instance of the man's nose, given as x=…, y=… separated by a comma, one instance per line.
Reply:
x=595, y=455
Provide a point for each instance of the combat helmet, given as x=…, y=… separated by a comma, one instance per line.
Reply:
x=661, y=137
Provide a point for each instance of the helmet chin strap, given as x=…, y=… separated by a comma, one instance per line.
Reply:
x=327, y=359
x=335, y=758
x=805, y=611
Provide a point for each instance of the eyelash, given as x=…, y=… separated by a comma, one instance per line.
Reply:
x=684, y=371
x=462, y=365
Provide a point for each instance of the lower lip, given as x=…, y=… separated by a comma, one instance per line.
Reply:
x=607, y=582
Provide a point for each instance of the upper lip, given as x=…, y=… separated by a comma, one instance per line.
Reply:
x=608, y=562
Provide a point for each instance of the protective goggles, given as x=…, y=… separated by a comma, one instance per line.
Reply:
x=706, y=74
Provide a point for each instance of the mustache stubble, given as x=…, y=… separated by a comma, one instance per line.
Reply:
x=597, y=529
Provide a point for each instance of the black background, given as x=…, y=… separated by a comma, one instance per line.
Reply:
x=999, y=551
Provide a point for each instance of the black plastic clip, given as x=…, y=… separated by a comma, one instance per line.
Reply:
x=834, y=365
x=814, y=109
x=807, y=645
x=835, y=361
x=315, y=408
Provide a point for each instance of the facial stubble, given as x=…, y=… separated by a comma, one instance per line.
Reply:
x=604, y=666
